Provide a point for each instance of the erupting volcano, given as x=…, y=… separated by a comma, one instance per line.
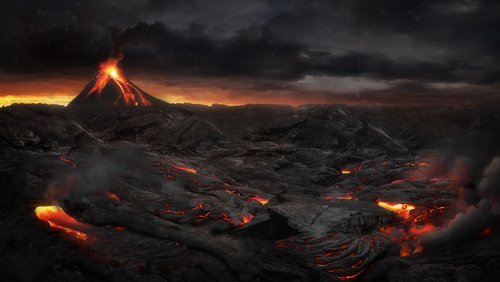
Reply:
x=109, y=87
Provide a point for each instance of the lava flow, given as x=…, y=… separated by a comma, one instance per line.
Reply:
x=402, y=210
x=348, y=170
x=69, y=161
x=261, y=200
x=57, y=218
x=112, y=196
x=412, y=230
x=183, y=168
x=131, y=95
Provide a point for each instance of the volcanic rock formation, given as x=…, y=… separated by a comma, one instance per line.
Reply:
x=109, y=87
x=249, y=193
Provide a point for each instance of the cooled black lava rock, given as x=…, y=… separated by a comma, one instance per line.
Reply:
x=248, y=193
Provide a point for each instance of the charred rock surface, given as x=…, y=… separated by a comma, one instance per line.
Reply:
x=248, y=193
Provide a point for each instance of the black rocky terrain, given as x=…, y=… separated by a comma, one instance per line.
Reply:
x=247, y=193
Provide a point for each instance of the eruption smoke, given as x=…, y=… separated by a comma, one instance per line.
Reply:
x=117, y=44
x=471, y=220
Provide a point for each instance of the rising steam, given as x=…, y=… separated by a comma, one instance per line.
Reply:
x=471, y=220
x=94, y=175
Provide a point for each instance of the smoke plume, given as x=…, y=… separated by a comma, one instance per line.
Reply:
x=94, y=175
x=117, y=44
x=472, y=219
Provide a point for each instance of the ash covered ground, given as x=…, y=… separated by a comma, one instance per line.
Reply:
x=249, y=193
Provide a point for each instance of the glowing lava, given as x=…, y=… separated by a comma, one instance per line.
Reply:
x=405, y=251
x=131, y=95
x=246, y=218
x=338, y=196
x=350, y=169
x=261, y=200
x=57, y=218
x=112, y=196
x=69, y=161
x=183, y=168
x=401, y=209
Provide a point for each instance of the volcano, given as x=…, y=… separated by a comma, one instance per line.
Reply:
x=109, y=87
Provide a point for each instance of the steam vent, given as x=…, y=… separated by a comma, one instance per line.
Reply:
x=109, y=87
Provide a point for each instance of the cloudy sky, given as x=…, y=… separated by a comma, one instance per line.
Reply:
x=267, y=51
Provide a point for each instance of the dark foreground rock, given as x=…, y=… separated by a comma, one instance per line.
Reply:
x=249, y=193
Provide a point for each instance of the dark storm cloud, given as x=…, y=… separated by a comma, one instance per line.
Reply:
x=279, y=41
x=431, y=32
x=253, y=52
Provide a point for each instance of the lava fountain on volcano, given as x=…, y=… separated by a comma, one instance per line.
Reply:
x=130, y=94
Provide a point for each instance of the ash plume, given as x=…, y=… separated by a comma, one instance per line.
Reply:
x=117, y=43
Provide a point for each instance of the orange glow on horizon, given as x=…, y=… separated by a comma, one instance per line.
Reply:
x=60, y=90
x=131, y=95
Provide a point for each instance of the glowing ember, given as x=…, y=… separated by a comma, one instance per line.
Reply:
x=418, y=249
x=246, y=218
x=131, y=95
x=112, y=196
x=401, y=209
x=57, y=218
x=183, y=168
x=350, y=276
x=260, y=200
x=338, y=196
x=351, y=169
x=388, y=161
x=485, y=233
x=69, y=161
x=405, y=251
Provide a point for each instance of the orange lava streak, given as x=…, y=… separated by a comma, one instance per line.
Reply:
x=183, y=168
x=112, y=196
x=405, y=251
x=333, y=253
x=70, y=161
x=56, y=217
x=401, y=209
x=131, y=95
x=246, y=218
x=261, y=200
x=349, y=170
x=388, y=161
x=348, y=277
x=358, y=263
x=341, y=197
